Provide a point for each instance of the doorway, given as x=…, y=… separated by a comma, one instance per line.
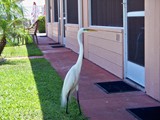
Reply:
x=135, y=41
x=60, y=18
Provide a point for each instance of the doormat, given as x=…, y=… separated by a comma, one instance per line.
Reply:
x=54, y=43
x=116, y=87
x=146, y=113
x=57, y=46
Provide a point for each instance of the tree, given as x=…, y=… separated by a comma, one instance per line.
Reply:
x=11, y=21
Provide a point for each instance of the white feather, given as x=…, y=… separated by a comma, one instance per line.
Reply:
x=71, y=80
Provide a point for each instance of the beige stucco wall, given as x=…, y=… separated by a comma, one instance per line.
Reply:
x=49, y=30
x=152, y=48
x=71, y=37
x=105, y=48
x=55, y=31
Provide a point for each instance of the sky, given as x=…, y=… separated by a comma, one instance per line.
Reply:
x=30, y=2
x=27, y=4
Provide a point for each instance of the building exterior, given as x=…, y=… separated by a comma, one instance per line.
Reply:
x=127, y=41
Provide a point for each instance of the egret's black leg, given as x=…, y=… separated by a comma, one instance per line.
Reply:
x=78, y=103
x=67, y=103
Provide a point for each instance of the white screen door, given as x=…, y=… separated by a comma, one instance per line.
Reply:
x=135, y=41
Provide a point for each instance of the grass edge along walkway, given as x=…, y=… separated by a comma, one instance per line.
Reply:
x=30, y=57
x=27, y=50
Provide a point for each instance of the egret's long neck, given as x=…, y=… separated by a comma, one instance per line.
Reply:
x=80, y=57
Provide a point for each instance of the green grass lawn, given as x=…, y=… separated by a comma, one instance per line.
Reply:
x=30, y=90
x=22, y=50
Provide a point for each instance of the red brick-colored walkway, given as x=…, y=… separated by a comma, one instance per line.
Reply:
x=96, y=104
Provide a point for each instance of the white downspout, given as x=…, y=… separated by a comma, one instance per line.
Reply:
x=125, y=36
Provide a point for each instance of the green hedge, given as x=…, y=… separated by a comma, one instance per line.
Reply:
x=41, y=26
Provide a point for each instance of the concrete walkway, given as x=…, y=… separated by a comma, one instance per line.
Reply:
x=95, y=103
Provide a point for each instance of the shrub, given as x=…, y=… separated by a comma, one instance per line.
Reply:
x=41, y=26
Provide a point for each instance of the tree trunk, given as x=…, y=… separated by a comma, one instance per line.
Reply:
x=2, y=44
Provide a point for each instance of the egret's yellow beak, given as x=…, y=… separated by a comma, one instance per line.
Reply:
x=90, y=30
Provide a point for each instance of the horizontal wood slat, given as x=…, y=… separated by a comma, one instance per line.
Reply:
x=111, y=67
x=106, y=44
x=105, y=54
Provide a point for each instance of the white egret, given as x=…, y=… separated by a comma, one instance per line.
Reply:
x=71, y=79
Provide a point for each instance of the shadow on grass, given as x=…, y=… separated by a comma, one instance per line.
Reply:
x=9, y=62
x=32, y=51
x=49, y=85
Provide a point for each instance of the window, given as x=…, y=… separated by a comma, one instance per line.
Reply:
x=48, y=11
x=72, y=11
x=135, y=5
x=55, y=11
x=107, y=13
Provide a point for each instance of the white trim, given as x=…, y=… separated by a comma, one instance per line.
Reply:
x=53, y=12
x=59, y=29
x=109, y=29
x=80, y=13
x=125, y=36
x=62, y=21
x=47, y=11
x=136, y=14
x=132, y=70
x=66, y=11
x=106, y=27
x=89, y=12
